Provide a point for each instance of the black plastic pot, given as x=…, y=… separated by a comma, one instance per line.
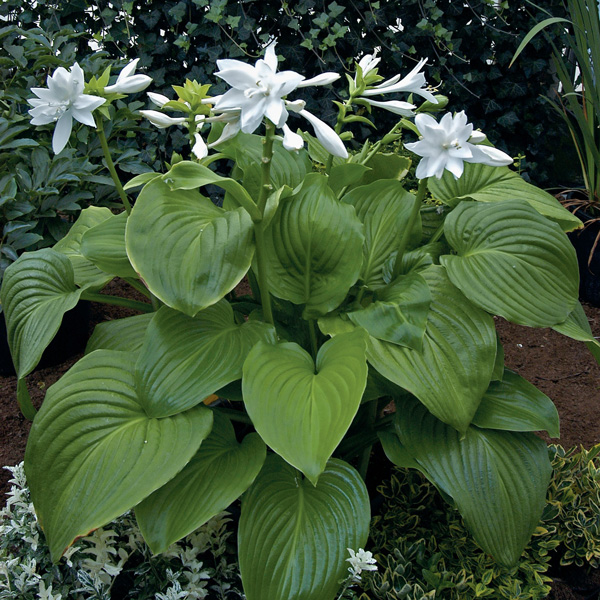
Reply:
x=70, y=339
x=589, y=269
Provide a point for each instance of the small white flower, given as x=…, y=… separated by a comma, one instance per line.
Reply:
x=367, y=63
x=322, y=79
x=292, y=141
x=199, y=149
x=405, y=109
x=62, y=102
x=330, y=140
x=413, y=83
x=127, y=82
x=450, y=143
x=161, y=120
x=159, y=99
x=360, y=561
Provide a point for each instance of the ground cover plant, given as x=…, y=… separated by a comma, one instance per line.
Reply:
x=354, y=303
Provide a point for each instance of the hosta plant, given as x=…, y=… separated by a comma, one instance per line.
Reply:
x=354, y=303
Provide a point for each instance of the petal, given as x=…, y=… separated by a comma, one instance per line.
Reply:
x=275, y=111
x=437, y=164
x=292, y=141
x=229, y=131
x=83, y=116
x=47, y=95
x=295, y=106
x=422, y=171
x=477, y=137
x=77, y=80
x=322, y=79
x=326, y=135
x=158, y=99
x=231, y=100
x=128, y=70
x=241, y=76
x=270, y=56
x=88, y=102
x=397, y=107
x=286, y=82
x=490, y=156
x=252, y=115
x=455, y=166
x=161, y=120
x=200, y=149
x=131, y=85
x=62, y=132
x=41, y=119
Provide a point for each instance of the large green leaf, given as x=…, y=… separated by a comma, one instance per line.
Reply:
x=577, y=327
x=384, y=208
x=125, y=334
x=93, y=453
x=514, y=404
x=104, y=246
x=189, y=252
x=38, y=289
x=498, y=479
x=217, y=475
x=185, y=359
x=86, y=273
x=313, y=248
x=453, y=370
x=293, y=537
x=499, y=184
x=302, y=411
x=399, y=312
x=512, y=262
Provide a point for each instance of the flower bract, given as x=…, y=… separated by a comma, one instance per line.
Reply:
x=61, y=102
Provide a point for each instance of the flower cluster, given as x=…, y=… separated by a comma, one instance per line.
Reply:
x=361, y=560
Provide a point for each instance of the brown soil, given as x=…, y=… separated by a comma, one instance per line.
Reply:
x=562, y=368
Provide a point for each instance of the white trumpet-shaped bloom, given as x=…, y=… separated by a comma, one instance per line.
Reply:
x=413, y=83
x=159, y=99
x=199, y=149
x=61, y=102
x=161, y=120
x=405, y=109
x=368, y=62
x=449, y=144
x=129, y=83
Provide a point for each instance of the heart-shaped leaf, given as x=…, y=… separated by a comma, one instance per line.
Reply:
x=399, y=314
x=453, y=370
x=384, y=208
x=126, y=335
x=530, y=279
x=499, y=184
x=189, y=252
x=184, y=359
x=86, y=273
x=293, y=537
x=93, y=453
x=104, y=246
x=498, y=479
x=217, y=475
x=38, y=289
x=514, y=404
x=300, y=411
x=313, y=248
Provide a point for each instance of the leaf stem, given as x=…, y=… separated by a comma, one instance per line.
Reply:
x=410, y=226
x=117, y=301
x=111, y=165
x=365, y=456
x=314, y=347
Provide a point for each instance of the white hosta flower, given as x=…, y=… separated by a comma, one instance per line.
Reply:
x=199, y=149
x=450, y=143
x=330, y=140
x=292, y=141
x=161, y=120
x=323, y=79
x=158, y=99
x=61, y=102
x=127, y=82
x=360, y=561
x=413, y=83
x=405, y=109
x=367, y=63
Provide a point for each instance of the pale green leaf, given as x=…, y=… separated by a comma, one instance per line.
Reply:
x=125, y=334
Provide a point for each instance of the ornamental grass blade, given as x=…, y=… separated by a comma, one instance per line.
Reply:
x=313, y=248
x=93, y=453
x=531, y=280
x=218, y=474
x=189, y=252
x=454, y=368
x=183, y=359
x=293, y=537
x=498, y=479
x=300, y=410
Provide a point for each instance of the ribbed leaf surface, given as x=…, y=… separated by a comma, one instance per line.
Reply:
x=300, y=411
x=514, y=404
x=217, y=475
x=314, y=248
x=189, y=252
x=38, y=289
x=577, y=327
x=453, y=370
x=104, y=246
x=86, y=273
x=126, y=335
x=512, y=262
x=498, y=479
x=499, y=184
x=384, y=208
x=93, y=453
x=185, y=359
x=293, y=537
